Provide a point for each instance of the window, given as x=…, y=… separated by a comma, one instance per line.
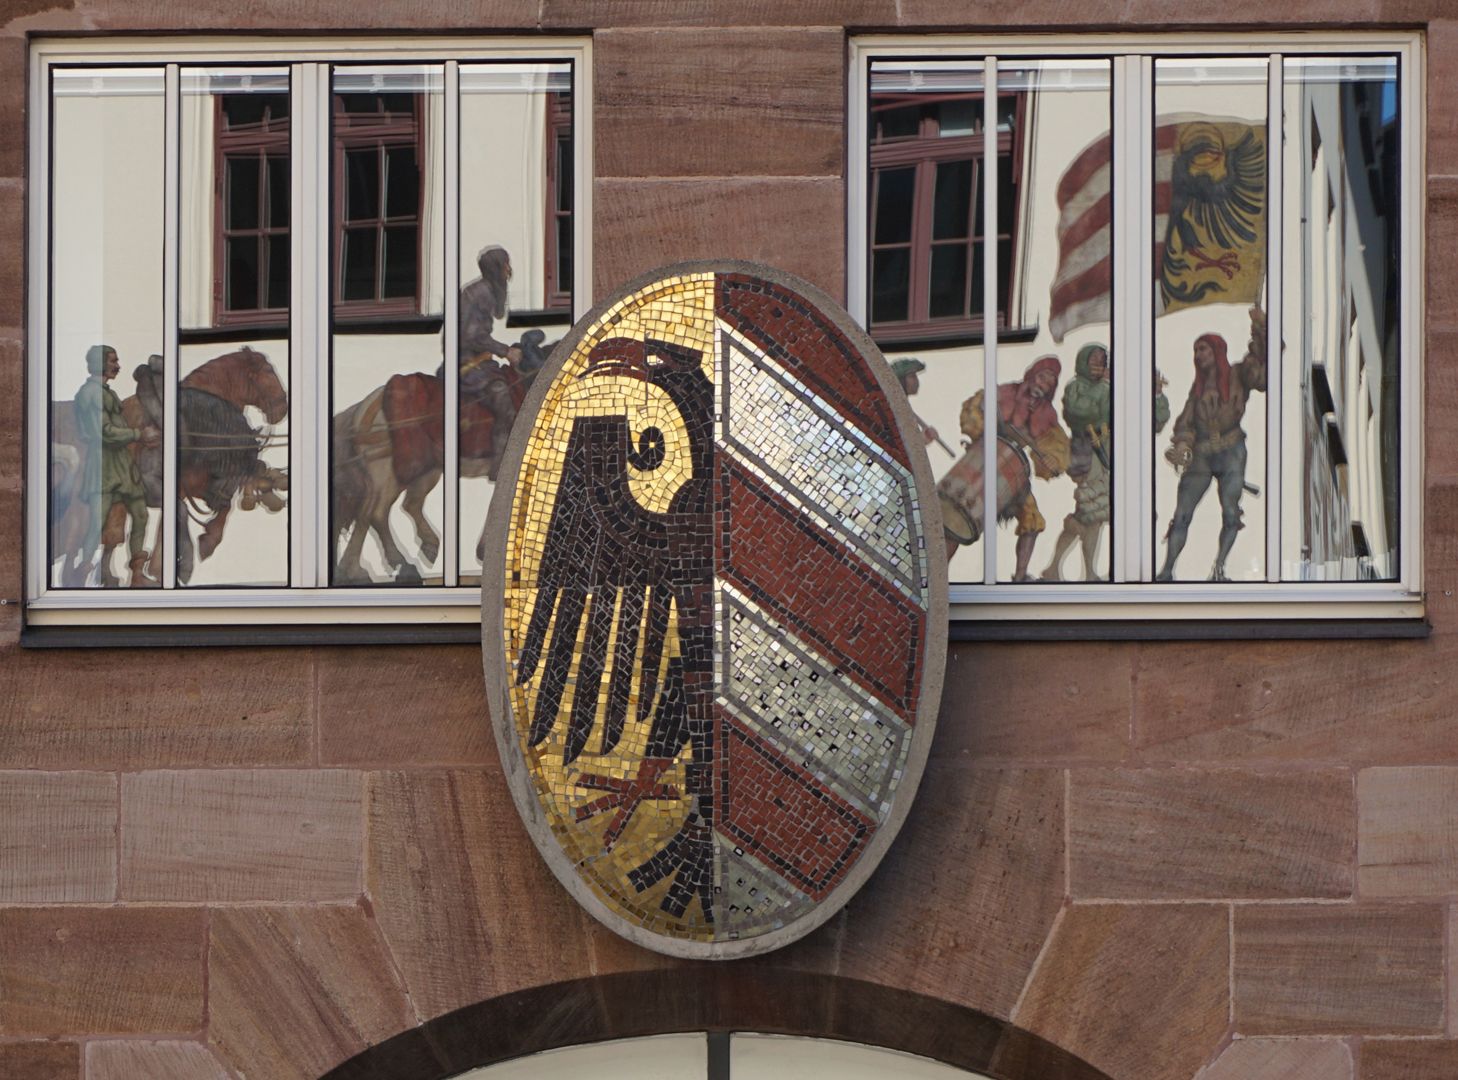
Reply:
x=252, y=270
x=285, y=301
x=926, y=224
x=1202, y=393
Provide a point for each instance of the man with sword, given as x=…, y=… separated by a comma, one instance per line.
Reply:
x=1209, y=442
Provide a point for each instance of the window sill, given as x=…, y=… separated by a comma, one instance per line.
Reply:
x=1314, y=629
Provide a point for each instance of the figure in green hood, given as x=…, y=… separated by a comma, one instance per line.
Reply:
x=1087, y=410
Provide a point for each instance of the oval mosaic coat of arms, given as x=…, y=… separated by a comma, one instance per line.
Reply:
x=714, y=609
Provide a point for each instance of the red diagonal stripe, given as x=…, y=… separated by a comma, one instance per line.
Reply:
x=813, y=351
x=840, y=605
x=783, y=816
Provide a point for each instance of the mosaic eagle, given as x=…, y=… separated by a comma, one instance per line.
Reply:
x=1217, y=209
x=628, y=566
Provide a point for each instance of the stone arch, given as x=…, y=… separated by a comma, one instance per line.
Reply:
x=743, y=996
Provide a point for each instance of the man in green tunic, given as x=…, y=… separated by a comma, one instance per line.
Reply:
x=110, y=474
x=1088, y=410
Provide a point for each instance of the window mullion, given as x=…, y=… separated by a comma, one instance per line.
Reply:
x=1275, y=301
x=1132, y=422
x=171, y=355
x=989, y=323
x=316, y=147
x=301, y=320
x=451, y=337
x=1140, y=261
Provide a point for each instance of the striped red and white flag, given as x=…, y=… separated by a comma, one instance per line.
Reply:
x=1082, y=291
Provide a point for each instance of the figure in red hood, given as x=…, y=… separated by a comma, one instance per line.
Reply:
x=1209, y=442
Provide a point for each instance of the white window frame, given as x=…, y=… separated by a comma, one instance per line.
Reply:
x=308, y=60
x=1131, y=595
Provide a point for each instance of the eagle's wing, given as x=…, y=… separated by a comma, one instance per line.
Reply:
x=1231, y=211
x=603, y=559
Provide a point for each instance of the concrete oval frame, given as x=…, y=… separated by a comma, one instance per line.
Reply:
x=497, y=675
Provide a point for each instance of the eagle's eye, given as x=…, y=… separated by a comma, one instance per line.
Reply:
x=651, y=449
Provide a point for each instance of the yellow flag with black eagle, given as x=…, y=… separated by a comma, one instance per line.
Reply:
x=1210, y=206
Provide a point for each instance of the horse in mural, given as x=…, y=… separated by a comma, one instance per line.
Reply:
x=217, y=460
x=391, y=443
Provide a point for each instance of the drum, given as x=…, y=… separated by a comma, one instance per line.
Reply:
x=960, y=491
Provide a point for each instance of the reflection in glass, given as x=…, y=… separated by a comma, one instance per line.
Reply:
x=925, y=294
x=234, y=275
x=388, y=439
x=516, y=160
x=106, y=321
x=1055, y=264
x=1209, y=333
x=1340, y=511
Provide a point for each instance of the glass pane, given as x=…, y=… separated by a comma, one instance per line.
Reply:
x=106, y=320
x=890, y=285
x=961, y=117
x=564, y=253
x=233, y=398
x=278, y=271
x=564, y=172
x=895, y=123
x=358, y=258
x=1209, y=329
x=942, y=380
x=402, y=183
x=1055, y=278
x=278, y=191
x=243, y=110
x=241, y=191
x=400, y=260
x=242, y=273
x=388, y=438
x=953, y=202
x=1340, y=423
x=949, y=280
x=517, y=113
x=362, y=184
x=894, y=191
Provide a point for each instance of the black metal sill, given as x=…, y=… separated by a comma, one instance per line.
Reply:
x=1189, y=629
x=960, y=630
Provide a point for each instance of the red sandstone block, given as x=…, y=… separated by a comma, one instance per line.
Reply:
x=238, y=834
x=796, y=224
x=721, y=102
x=400, y=707
x=449, y=868
x=1339, y=969
x=100, y=971
x=1404, y=848
x=1136, y=990
x=136, y=708
x=294, y=991
x=1281, y=1059
x=983, y=847
x=125, y=1059
x=58, y=837
x=40, y=1061
x=1407, y=1059
x=1319, y=702
x=1046, y=702
x=575, y=14
x=1181, y=834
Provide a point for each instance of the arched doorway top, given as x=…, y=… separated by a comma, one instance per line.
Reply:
x=744, y=996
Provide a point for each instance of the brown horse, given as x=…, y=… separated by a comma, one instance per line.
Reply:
x=217, y=458
x=392, y=443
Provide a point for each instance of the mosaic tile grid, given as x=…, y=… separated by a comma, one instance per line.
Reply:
x=715, y=607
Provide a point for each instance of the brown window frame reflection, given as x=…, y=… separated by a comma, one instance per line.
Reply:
x=265, y=140
x=923, y=151
x=381, y=131
x=558, y=291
